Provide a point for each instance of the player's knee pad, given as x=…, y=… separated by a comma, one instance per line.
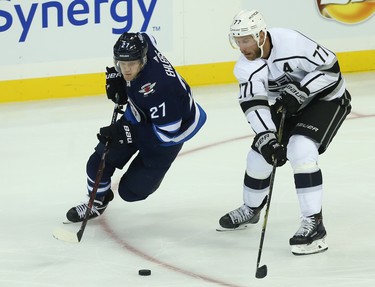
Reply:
x=302, y=153
x=131, y=195
x=136, y=190
x=257, y=167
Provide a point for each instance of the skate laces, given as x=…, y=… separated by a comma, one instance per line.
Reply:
x=241, y=214
x=308, y=224
x=81, y=209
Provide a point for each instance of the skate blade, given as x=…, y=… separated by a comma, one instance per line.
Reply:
x=222, y=229
x=317, y=246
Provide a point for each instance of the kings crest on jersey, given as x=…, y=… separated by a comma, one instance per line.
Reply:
x=160, y=96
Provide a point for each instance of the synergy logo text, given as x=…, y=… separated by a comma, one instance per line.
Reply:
x=76, y=13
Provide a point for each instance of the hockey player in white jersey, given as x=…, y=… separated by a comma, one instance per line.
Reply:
x=282, y=69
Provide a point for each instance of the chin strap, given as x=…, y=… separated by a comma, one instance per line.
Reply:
x=261, y=46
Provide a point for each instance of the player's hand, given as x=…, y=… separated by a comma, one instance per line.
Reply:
x=115, y=86
x=291, y=98
x=268, y=146
x=117, y=135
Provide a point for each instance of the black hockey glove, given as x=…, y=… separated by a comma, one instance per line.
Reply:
x=268, y=146
x=291, y=98
x=118, y=134
x=115, y=85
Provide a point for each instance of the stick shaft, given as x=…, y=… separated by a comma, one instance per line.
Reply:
x=272, y=180
x=99, y=175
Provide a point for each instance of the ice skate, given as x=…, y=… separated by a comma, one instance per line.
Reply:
x=310, y=237
x=240, y=217
x=77, y=214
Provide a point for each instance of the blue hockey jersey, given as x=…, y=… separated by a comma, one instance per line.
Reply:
x=160, y=102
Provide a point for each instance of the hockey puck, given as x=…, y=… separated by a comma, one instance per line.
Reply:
x=144, y=272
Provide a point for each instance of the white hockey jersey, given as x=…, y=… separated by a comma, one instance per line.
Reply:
x=293, y=57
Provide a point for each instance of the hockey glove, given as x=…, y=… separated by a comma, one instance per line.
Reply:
x=115, y=86
x=117, y=134
x=291, y=98
x=268, y=146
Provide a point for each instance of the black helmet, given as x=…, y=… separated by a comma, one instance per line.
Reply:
x=130, y=47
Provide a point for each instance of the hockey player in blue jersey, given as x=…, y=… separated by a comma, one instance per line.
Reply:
x=160, y=115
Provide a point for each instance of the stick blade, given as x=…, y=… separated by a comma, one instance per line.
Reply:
x=261, y=272
x=65, y=235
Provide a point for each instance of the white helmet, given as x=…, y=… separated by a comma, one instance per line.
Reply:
x=248, y=22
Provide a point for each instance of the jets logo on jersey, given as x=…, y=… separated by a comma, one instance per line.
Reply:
x=147, y=89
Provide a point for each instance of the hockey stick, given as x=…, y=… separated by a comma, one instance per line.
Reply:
x=261, y=272
x=68, y=236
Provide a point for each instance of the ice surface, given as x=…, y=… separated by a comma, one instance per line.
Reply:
x=44, y=148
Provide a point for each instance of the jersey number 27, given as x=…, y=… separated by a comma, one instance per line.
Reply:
x=158, y=111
